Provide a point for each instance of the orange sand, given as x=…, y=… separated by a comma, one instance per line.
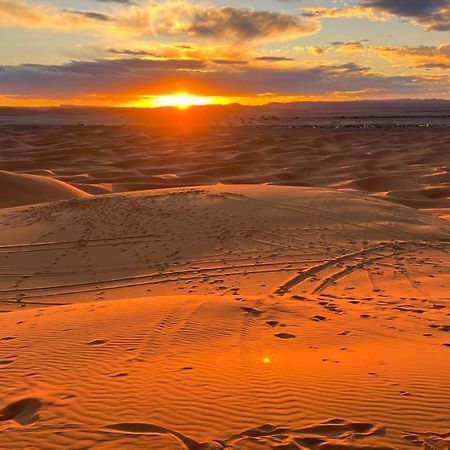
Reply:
x=249, y=317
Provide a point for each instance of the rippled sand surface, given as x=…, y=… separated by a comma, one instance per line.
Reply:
x=287, y=289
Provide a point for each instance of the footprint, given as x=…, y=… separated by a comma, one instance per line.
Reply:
x=6, y=362
x=300, y=297
x=23, y=411
x=318, y=318
x=285, y=336
x=345, y=333
x=329, y=435
x=97, y=342
x=445, y=328
x=252, y=311
x=272, y=323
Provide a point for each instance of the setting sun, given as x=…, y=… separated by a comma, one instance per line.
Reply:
x=181, y=100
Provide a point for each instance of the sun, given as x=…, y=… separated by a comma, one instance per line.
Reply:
x=181, y=100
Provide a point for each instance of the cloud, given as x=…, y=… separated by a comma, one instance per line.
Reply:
x=22, y=14
x=17, y=13
x=431, y=66
x=317, y=50
x=221, y=53
x=137, y=77
x=248, y=23
x=229, y=62
x=273, y=58
x=358, y=12
x=355, y=46
x=432, y=14
x=130, y=52
x=217, y=23
x=123, y=2
x=90, y=15
x=408, y=8
x=423, y=56
x=88, y=77
x=168, y=18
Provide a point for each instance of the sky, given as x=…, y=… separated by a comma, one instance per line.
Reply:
x=140, y=52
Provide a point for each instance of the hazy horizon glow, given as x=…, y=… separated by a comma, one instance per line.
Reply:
x=144, y=53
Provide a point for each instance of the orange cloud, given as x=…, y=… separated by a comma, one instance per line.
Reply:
x=358, y=12
x=424, y=56
x=432, y=15
x=170, y=18
x=22, y=14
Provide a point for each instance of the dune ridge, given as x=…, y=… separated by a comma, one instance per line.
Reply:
x=25, y=189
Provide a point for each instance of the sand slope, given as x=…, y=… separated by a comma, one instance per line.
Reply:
x=203, y=240
x=291, y=318
x=25, y=189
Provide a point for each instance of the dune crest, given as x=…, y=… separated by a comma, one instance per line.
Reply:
x=25, y=189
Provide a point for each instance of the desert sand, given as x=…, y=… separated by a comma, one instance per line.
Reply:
x=250, y=288
x=406, y=165
x=25, y=189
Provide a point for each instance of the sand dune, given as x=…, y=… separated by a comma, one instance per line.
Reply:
x=407, y=165
x=272, y=317
x=264, y=232
x=24, y=189
x=253, y=288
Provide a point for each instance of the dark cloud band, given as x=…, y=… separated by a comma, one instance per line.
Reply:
x=432, y=14
x=106, y=77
